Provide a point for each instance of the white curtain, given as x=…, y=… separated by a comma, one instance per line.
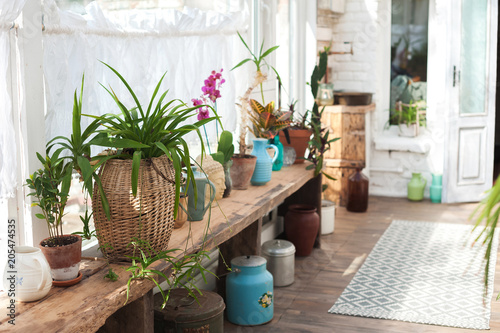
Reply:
x=141, y=45
x=9, y=11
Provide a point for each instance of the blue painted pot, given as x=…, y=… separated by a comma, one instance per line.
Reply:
x=249, y=292
x=264, y=164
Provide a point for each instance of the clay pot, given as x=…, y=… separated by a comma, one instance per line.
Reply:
x=301, y=227
x=299, y=140
x=242, y=171
x=64, y=261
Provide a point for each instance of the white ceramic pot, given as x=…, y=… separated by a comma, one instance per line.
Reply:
x=327, y=217
x=29, y=279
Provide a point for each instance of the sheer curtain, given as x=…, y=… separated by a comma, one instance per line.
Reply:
x=142, y=46
x=9, y=11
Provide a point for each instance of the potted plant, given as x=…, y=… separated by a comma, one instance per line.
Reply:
x=266, y=123
x=409, y=117
x=225, y=150
x=140, y=180
x=298, y=134
x=244, y=164
x=50, y=187
x=318, y=146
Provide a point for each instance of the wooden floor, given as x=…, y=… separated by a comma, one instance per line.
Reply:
x=321, y=278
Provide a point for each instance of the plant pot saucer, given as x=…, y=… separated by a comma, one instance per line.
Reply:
x=68, y=283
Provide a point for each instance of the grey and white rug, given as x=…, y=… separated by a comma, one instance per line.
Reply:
x=423, y=272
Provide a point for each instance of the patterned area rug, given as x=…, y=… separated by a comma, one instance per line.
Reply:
x=425, y=273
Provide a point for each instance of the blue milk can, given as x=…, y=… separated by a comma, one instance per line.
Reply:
x=249, y=292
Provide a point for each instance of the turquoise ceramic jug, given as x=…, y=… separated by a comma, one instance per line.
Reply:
x=264, y=164
x=436, y=188
x=278, y=163
x=416, y=187
x=197, y=208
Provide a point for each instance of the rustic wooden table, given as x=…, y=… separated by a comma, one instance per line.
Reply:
x=96, y=304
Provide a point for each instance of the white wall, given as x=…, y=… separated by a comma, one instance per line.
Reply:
x=391, y=159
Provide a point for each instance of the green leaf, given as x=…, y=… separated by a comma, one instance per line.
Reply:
x=117, y=143
x=241, y=63
x=269, y=51
x=40, y=216
x=104, y=200
x=136, y=163
x=218, y=156
x=87, y=171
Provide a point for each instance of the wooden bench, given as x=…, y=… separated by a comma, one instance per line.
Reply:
x=96, y=304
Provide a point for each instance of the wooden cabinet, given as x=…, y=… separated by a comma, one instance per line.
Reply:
x=348, y=153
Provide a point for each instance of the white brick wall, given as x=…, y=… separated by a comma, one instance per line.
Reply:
x=358, y=26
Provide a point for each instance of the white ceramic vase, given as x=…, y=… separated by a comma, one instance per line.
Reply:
x=29, y=279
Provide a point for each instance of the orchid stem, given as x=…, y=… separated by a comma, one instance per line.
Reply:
x=216, y=122
x=206, y=137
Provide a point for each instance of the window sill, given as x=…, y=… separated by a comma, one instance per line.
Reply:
x=390, y=140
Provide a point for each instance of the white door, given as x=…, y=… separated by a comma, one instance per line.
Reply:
x=470, y=141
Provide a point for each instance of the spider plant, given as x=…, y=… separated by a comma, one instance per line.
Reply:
x=143, y=133
x=78, y=149
x=183, y=270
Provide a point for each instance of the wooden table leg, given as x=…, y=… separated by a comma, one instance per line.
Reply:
x=247, y=242
x=134, y=317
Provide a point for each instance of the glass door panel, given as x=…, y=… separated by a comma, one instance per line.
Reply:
x=473, y=56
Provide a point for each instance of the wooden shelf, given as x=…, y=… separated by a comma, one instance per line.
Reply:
x=86, y=306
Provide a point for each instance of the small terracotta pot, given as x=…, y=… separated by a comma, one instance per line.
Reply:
x=242, y=171
x=64, y=261
x=299, y=140
x=301, y=227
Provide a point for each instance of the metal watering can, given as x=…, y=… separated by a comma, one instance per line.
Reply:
x=197, y=208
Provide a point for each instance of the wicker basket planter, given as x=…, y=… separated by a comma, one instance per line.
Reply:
x=148, y=216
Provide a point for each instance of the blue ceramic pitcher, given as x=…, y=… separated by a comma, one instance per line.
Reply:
x=197, y=208
x=264, y=164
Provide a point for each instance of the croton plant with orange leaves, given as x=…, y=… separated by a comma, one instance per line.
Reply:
x=267, y=121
